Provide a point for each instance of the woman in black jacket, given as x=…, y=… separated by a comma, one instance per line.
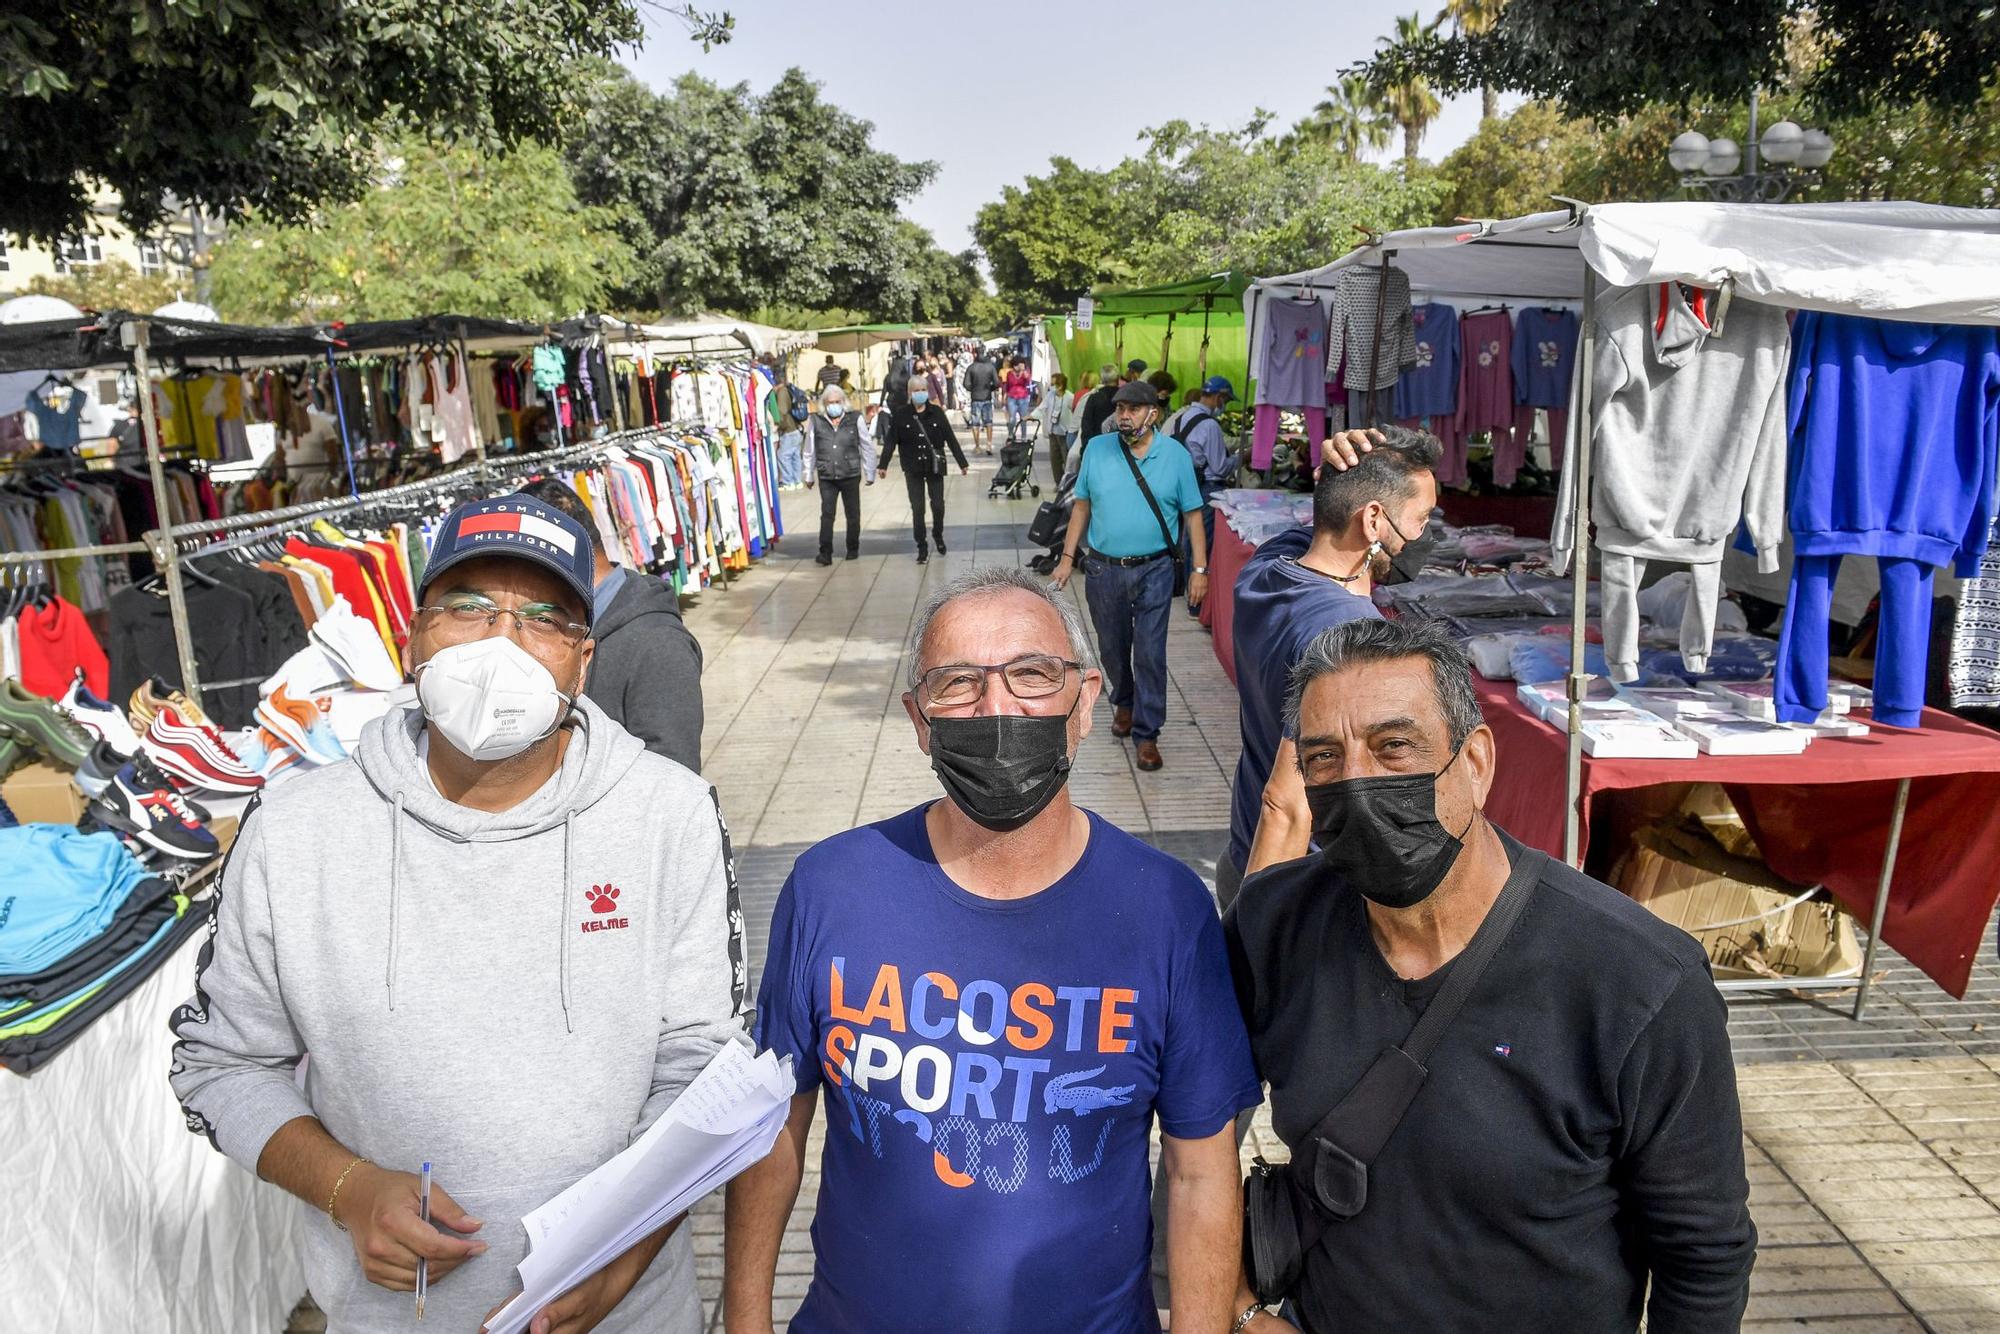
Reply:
x=918, y=427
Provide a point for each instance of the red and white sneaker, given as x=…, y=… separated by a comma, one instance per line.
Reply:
x=196, y=756
x=155, y=816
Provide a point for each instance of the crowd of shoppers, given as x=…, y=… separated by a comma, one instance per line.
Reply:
x=1506, y=1090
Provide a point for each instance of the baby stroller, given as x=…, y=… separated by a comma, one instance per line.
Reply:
x=1017, y=459
x=1050, y=528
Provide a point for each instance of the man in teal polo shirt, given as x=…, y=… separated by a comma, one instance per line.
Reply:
x=1129, y=564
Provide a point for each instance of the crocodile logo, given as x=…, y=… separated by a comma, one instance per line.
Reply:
x=1063, y=1092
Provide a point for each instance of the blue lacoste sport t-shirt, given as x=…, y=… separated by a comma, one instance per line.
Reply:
x=990, y=1073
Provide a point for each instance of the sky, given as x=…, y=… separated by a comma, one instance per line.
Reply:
x=1064, y=79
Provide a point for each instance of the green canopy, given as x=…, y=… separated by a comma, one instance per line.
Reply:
x=1193, y=328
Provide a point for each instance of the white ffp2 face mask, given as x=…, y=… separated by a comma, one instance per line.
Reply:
x=489, y=698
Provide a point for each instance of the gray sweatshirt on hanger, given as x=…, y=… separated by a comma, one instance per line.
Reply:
x=1687, y=436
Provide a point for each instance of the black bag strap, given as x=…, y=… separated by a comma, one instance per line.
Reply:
x=1331, y=1170
x=1166, y=533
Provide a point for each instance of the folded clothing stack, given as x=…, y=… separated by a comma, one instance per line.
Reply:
x=81, y=925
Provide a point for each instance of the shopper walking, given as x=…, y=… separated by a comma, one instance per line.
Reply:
x=1020, y=389
x=1096, y=410
x=839, y=457
x=508, y=937
x=646, y=671
x=1134, y=490
x=829, y=373
x=996, y=995
x=1199, y=427
x=1578, y=1131
x=923, y=432
x=981, y=380
x=1058, y=423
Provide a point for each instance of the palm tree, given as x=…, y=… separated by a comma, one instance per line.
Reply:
x=1411, y=103
x=1351, y=118
x=1474, y=18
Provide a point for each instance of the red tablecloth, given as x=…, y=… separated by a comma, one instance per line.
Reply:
x=1226, y=556
x=1819, y=818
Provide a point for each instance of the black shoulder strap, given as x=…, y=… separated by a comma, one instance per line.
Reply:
x=1166, y=533
x=1336, y=1154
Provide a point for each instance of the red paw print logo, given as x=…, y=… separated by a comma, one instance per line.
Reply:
x=603, y=898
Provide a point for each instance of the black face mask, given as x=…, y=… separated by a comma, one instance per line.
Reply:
x=1002, y=769
x=1408, y=563
x=1381, y=834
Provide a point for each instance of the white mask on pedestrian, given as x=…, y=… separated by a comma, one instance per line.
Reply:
x=489, y=698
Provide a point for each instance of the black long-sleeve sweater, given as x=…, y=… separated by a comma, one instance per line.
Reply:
x=1579, y=1132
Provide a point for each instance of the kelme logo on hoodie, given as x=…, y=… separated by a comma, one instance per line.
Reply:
x=603, y=901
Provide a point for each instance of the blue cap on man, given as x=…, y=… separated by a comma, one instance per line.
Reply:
x=1218, y=384
x=520, y=527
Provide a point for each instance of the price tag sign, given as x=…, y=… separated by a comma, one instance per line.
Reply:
x=1084, y=307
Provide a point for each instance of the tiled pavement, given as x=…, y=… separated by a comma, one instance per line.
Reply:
x=1874, y=1148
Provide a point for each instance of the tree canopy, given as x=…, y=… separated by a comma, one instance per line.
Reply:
x=443, y=228
x=1605, y=58
x=1195, y=200
x=736, y=200
x=276, y=107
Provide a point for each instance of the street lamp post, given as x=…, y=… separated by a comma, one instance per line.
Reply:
x=1792, y=158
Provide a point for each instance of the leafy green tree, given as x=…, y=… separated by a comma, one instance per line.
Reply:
x=1407, y=95
x=1049, y=240
x=1475, y=18
x=734, y=200
x=444, y=229
x=1604, y=58
x=112, y=285
x=274, y=107
x=1350, y=117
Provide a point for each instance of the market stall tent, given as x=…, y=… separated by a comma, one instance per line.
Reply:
x=1885, y=260
x=1193, y=328
x=865, y=349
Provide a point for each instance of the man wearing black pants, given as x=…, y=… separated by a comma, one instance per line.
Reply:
x=919, y=426
x=840, y=452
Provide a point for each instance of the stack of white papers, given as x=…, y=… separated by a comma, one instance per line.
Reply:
x=722, y=1123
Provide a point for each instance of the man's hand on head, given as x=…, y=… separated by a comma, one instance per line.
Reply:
x=1343, y=449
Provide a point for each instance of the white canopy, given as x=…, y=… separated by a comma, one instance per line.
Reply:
x=1889, y=260
x=707, y=336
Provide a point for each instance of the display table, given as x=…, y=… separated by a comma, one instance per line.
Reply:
x=1822, y=817
x=1227, y=554
x=117, y=1219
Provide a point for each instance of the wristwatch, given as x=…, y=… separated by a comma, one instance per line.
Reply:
x=1201, y=569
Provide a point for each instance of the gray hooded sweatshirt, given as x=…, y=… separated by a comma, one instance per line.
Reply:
x=513, y=997
x=1688, y=438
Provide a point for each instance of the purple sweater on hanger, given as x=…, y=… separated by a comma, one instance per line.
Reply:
x=1293, y=369
x=1485, y=389
x=1430, y=388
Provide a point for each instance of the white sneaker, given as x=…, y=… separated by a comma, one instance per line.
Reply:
x=309, y=672
x=356, y=646
x=99, y=717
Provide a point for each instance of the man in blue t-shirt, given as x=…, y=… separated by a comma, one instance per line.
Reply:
x=1133, y=548
x=995, y=995
x=1307, y=580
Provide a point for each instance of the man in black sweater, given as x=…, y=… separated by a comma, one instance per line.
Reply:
x=646, y=672
x=918, y=427
x=1578, y=1134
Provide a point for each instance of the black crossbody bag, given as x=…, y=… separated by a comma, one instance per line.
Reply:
x=1288, y=1208
x=1173, y=546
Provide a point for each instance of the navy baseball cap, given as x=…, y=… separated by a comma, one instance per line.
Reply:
x=1136, y=366
x=1218, y=384
x=521, y=527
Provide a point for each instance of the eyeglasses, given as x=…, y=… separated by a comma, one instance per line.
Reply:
x=542, y=625
x=957, y=685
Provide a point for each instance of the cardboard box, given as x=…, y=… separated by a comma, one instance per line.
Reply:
x=40, y=793
x=1751, y=923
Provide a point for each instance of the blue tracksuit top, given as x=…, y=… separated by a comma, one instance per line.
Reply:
x=1894, y=429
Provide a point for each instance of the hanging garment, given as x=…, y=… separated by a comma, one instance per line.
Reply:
x=1429, y=387
x=1975, y=639
x=53, y=644
x=456, y=426
x=1371, y=301
x=1543, y=354
x=58, y=414
x=1894, y=429
x=1687, y=439
x=1292, y=363
x=1485, y=386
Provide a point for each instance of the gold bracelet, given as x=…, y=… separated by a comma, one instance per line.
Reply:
x=334, y=1198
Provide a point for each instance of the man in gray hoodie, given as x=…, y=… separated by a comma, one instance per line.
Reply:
x=506, y=935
